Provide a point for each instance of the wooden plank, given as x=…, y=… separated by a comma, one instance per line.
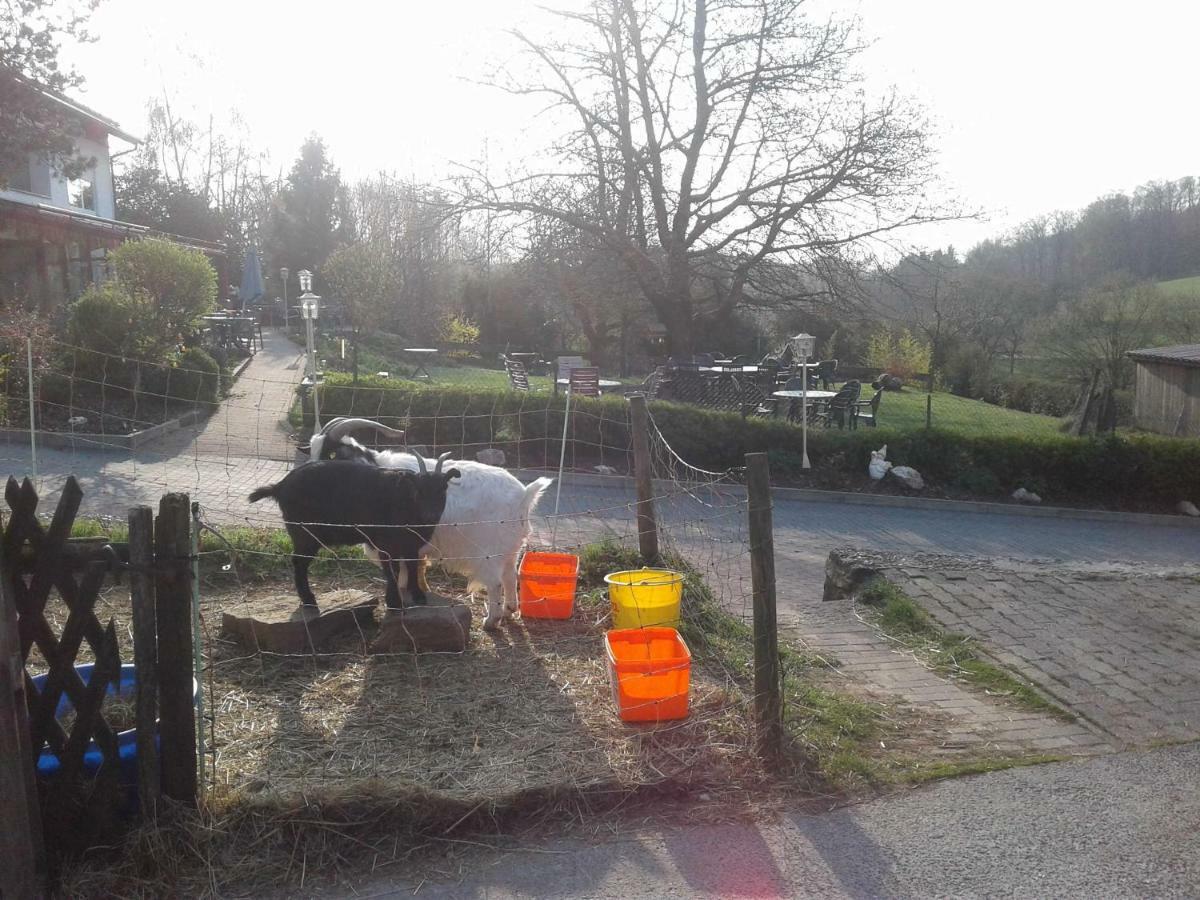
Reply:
x=643, y=479
x=145, y=655
x=768, y=686
x=20, y=817
x=88, y=717
x=173, y=609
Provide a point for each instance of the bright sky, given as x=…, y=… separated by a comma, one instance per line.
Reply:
x=1039, y=105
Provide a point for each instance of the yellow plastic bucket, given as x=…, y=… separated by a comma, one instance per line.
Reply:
x=642, y=598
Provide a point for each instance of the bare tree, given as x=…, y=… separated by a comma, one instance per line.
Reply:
x=706, y=135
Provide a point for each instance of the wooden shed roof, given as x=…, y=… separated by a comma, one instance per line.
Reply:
x=1179, y=355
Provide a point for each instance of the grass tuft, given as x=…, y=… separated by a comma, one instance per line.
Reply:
x=953, y=655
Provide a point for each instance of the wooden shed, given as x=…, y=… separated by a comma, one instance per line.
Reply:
x=1167, y=389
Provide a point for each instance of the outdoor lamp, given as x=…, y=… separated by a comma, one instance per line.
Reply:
x=305, y=277
x=309, y=306
x=283, y=273
x=804, y=345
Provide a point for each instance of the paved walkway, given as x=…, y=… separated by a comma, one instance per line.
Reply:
x=1121, y=648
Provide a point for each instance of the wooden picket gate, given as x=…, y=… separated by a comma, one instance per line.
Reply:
x=42, y=565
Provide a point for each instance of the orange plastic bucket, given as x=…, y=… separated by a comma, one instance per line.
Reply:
x=650, y=669
x=548, y=585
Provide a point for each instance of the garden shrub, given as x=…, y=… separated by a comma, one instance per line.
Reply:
x=898, y=353
x=197, y=376
x=1033, y=395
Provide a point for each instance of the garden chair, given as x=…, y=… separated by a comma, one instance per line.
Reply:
x=651, y=384
x=826, y=369
x=563, y=366
x=518, y=375
x=584, y=381
x=840, y=411
x=867, y=411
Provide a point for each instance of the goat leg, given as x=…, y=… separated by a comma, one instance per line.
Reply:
x=391, y=575
x=300, y=564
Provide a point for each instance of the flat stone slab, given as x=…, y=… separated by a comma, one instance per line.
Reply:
x=282, y=625
x=442, y=626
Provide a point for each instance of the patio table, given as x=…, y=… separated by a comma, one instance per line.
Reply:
x=794, y=398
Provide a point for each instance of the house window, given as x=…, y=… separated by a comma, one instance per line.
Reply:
x=17, y=177
x=81, y=191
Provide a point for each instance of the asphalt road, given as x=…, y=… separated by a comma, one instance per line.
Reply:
x=1119, y=826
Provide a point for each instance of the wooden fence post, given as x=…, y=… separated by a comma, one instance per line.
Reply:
x=928, y=411
x=768, y=697
x=647, y=524
x=145, y=655
x=20, y=815
x=173, y=609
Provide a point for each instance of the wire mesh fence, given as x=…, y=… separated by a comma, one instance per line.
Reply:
x=527, y=706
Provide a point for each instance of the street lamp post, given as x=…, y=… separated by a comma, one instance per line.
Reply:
x=283, y=275
x=803, y=346
x=309, y=310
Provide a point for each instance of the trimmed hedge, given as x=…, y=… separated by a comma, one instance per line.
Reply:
x=1119, y=471
x=1050, y=398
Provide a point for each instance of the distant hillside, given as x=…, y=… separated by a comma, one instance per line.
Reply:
x=1182, y=287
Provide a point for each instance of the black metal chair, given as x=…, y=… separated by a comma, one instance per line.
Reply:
x=867, y=411
x=825, y=372
x=841, y=407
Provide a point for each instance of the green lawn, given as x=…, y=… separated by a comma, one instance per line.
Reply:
x=906, y=410
x=1181, y=287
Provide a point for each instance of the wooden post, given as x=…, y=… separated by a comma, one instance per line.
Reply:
x=173, y=607
x=928, y=411
x=647, y=525
x=145, y=656
x=20, y=815
x=768, y=698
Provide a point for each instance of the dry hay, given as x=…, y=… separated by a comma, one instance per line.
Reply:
x=528, y=708
x=343, y=761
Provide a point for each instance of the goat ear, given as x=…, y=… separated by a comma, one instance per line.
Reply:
x=451, y=473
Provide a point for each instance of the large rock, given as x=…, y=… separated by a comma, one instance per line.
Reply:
x=281, y=624
x=909, y=477
x=1023, y=496
x=1187, y=508
x=439, y=627
x=491, y=456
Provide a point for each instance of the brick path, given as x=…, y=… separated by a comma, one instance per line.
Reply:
x=1121, y=648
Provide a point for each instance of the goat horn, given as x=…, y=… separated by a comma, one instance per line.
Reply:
x=421, y=463
x=437, y=470
x=337, y=428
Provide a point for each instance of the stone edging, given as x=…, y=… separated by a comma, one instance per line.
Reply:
x=894, y=500
x=67, y=440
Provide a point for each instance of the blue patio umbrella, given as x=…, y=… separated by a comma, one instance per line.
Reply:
x=252, y=280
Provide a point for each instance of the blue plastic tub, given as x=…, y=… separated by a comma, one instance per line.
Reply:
x=48, y=764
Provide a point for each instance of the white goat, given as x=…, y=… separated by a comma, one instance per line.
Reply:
x=485, y=523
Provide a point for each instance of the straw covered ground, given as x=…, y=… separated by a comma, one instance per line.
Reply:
x=327, y=767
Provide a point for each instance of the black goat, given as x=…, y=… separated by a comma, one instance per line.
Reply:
x=336, y=503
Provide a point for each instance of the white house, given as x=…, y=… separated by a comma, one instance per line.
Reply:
x=55, y=232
